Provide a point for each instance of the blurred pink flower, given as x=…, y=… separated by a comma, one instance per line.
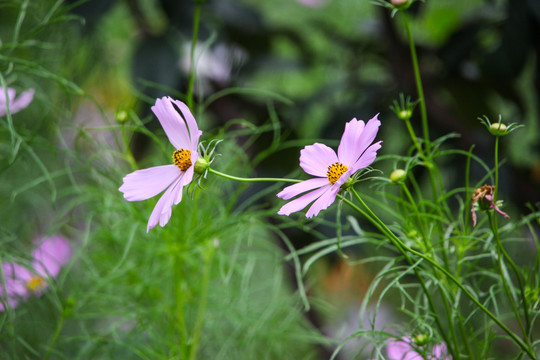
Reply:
x=483, y=196
x=312, y=3
x=15, y=104
x=332, y=170
x=183, y=133
x=402, y=350
x=51, y=254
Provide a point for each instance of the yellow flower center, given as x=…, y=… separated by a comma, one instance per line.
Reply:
x=182, y=159
x=335, y=171
x=35, y=283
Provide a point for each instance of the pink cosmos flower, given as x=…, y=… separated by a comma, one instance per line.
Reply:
x=402, y=350
x=15, y=104
x=183, y=133
x=331, y=170
x=49, y=257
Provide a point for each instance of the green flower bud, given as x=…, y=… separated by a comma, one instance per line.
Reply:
x=122, y=116
x=398, y=175
x=201, y=165
x=498, y=129
x=421, y=339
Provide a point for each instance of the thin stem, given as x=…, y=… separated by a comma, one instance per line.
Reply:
x=414, y=138
x=382, y=227
x=402, y=247
x=208, y=256
x=242, y=179
x=496, y=169
x=57, y=331
x=196, y=20
x=419, y=88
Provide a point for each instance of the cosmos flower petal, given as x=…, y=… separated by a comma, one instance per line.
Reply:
x=51, y=255
x=163, y=207
x=194, y=131
x=296, y=189
x=347, y=150
x=401, y=350
x=323, y=202
x=303, y=201
x=316, y=158
x=15, y=104
x=367, y=157
x=173, y=124
x=147, y=183
x=356, y=138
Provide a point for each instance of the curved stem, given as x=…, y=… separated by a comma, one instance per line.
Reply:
x=402, y=248
x=57, y=331
x=242, y=179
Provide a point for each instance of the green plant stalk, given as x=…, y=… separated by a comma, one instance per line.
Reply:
x=372, y=217
x=128, y=154
x=419, y=88
x=402, y=248
x=57, y=332
x=191, y=81
x=495, y=231
x=208, y=257
x=414, y=138
x=179, y=296
x=493, y=223
x=242, y=179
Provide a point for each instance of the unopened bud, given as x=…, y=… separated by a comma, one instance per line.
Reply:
x=421, y=339
x=122, y=116
x=404, y=114
x=498, y=129
x=398, y=175
x=201, y=165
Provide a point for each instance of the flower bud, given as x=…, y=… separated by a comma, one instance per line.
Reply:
x=121, y=116
x=498, y=129
x=404, y=114
x=201, y=165
x=421, y=339
x=398, y=175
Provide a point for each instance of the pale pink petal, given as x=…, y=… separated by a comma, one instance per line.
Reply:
x=186, y=179
x=347, y=150
x=15, y=104
x=194, y=131
x=161, y=212
x=356, y=138
x=323, y=202
x=316, y=158
x=296, y=189
x=440, y=352
x=173, y=124
x=367, y=157
x=303, y=201
x=52, y=253
x=144, y=184
x=22, y=101
x=401, y=350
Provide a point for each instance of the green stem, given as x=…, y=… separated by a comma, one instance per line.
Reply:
x=496, y=169
x=382, y=227
x=57, y=331
x=402, y=248
x=208, y=256
x=419, y=88
x=242, y=179
x=414, y=138
x=196, y=21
